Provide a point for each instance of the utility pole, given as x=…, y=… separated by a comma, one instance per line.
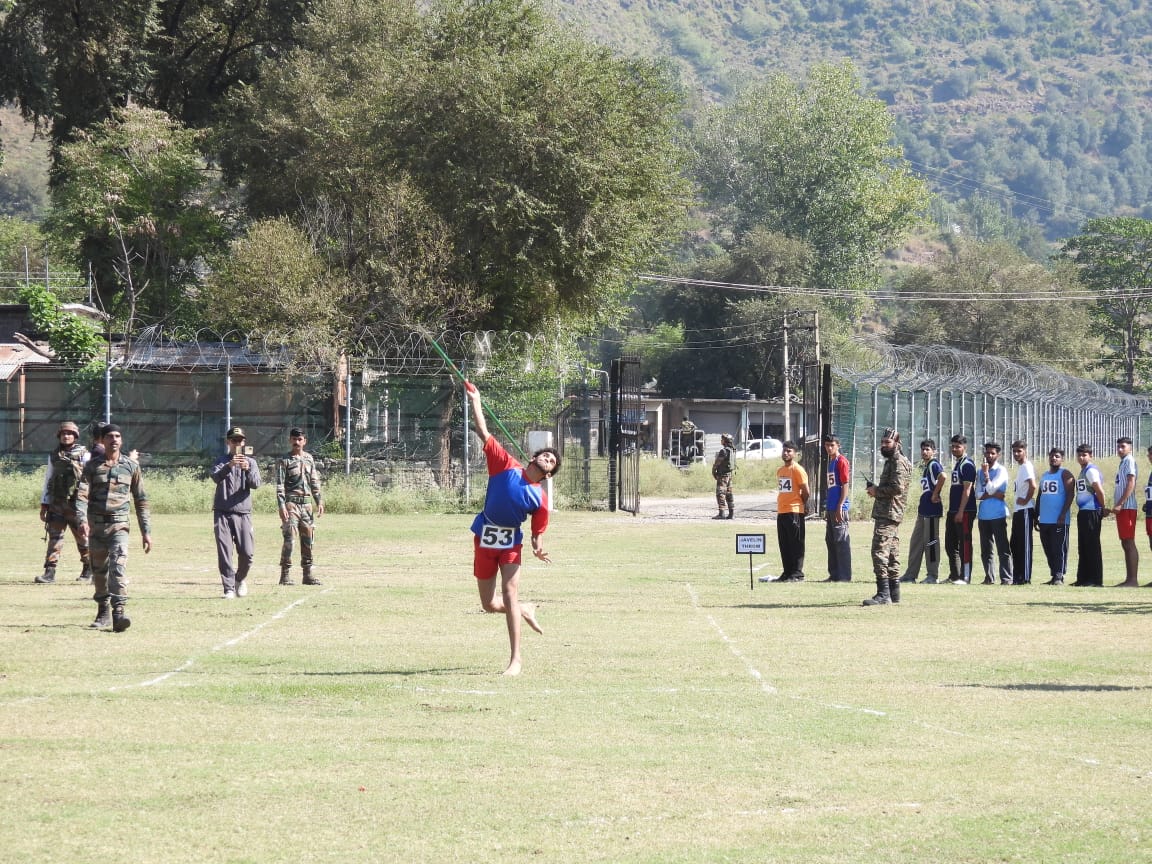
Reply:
x=787, y=394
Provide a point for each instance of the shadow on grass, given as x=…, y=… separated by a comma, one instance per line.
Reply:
x=1056, y=688
x=402, y=673
x=830, y=604
x=1101, y=608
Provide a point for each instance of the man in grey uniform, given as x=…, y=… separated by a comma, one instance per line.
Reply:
x=235, y=475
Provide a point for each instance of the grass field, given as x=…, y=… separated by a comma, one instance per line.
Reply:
x=668, y=714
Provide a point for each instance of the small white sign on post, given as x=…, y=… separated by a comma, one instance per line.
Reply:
x=750, y=544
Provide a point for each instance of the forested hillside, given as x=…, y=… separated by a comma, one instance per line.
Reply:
x=1042, y=104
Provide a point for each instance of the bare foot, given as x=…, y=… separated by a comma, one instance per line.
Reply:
x=513, y=668
x=528, y=613
x=1128, y=584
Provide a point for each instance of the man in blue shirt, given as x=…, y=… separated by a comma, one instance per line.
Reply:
x=1090, y=511
x=836, y=513
x=961, y=513
x=925, y=543
x=991, y=490
x=1054, y=497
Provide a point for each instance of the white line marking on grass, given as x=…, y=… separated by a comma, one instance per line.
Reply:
x=931, y=727
x=752, y=670
x=231, y=643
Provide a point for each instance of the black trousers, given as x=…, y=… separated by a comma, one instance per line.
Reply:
x=1090, y=566
x=790, y=536
x=1022, y=525
x=1054, y=539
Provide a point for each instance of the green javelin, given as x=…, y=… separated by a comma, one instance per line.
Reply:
x=483, y=404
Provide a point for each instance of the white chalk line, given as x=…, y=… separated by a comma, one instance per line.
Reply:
x=230, y=643
x=931, y=727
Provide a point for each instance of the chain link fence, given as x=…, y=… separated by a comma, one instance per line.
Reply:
x=936, y=392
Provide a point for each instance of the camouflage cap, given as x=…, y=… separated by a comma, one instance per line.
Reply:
x=725, y=438
x=68, y=426
x=235, y=432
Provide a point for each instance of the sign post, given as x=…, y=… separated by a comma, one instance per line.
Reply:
x=750, y=544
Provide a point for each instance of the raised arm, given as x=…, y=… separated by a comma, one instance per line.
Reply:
x=478, y=421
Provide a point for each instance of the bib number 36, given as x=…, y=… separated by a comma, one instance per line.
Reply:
x=497, y=537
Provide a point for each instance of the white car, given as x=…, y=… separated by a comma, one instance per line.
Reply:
x=761, y=448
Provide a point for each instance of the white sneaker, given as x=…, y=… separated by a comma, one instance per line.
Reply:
x=229, y=595
x=242, y=588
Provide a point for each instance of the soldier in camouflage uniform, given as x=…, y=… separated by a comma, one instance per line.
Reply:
x=297, y=486
x=722, y=471
x=58, y=501
x=890, y=494
x=108, y=487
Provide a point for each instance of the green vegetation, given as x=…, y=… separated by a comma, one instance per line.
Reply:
x=1042, y=104
x=668, y=713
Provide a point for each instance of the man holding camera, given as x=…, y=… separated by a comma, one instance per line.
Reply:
x=235, y=476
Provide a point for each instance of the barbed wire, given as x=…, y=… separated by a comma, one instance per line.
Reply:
x=940, y=367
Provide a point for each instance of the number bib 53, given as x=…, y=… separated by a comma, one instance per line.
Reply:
x=497, y=536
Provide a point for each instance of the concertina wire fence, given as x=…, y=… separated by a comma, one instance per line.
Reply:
x=936, y=392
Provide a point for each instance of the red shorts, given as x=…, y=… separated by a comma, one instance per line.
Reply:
x=486, y=562
x=1126, y=524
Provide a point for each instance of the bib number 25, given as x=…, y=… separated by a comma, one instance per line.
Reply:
x=497, y=537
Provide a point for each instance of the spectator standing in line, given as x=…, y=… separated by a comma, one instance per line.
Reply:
x=1023, y=515
x=890, y=495
x=1090, y=510
x=58, y=502
x=925, y=543
x=236, y=474
x=836, y=512
x=104, y=500
x=1057, y=491
x=722, y=472
x=1148, y=510
x=991, y=493
x=791, y=508
x=1124, y=507
x=961, y=513
x=297, y=487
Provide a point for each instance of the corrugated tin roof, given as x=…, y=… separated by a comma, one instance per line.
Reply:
x=12, y=357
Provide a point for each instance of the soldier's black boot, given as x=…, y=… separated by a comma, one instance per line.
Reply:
x=881, y=597
x=286, y=574
x=103, y=615
x=48, y=576
x=894, y=590
x=309, y=579
x=731, y=507
x=719, y=515
x=120, y=619
x=85, y=574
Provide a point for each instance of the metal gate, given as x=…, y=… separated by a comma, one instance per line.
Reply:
x=810, y=421
x=626, y=414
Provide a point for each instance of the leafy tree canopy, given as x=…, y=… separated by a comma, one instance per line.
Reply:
x=1114, y=260
x=73, y=63
x=473, y=152
x=812, y=160
x=128, y=201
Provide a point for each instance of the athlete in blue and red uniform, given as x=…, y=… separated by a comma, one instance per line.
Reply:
x=514, y=493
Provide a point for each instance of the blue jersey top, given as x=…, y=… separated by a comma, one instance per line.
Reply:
x=1085, y=495
x=963, y=472
x=991, y=508
x=931, y=473
x=1148, y=497
x=511, y=497
x=1053, y=497
x=838, y=475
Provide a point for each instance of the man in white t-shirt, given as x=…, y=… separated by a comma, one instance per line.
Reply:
x=1023, y=515
x=1124, y=506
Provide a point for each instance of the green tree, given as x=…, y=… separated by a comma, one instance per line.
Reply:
x=71, y=64
x=991, y=298
x=812, y=160
x=1113, y=258
x=538, y=169
x=128, y=200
